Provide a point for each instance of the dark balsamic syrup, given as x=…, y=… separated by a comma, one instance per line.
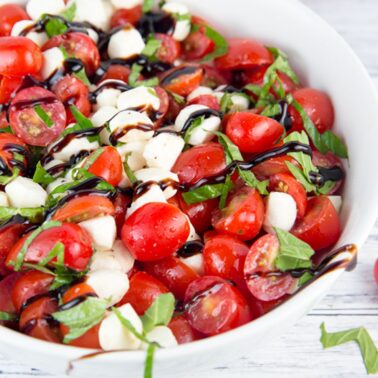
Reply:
x=191, y=248
x=156, y=22
x=177, y=72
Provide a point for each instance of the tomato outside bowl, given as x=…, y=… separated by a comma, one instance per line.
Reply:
x=324, y=61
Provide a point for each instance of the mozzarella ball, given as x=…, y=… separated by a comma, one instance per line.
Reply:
x=161, y=335
x=126, y=4
x=36, y=8
x=337, y=202
x=195, y=262
x=4, y=199
x=73, y=147
x=58, y=182
x=107, y=97
x=182, y=27
x=24, y=192
x=39, y=38
x=123, y=256
x=104, y=260
x=126, y=43
x=134, y=152
x=200, y=91
x=96, y=12
x=141, y=98
x=53, y=61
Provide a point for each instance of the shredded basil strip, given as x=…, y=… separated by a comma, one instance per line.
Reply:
x=7, y=316
x=56, y=26
x=35, y=215
x=45, y=118
x=197, y=122
x=203, y=193
x=41, y=176
x=148, y=5
x=134, y=81
x=152, y=46
x=129, y=172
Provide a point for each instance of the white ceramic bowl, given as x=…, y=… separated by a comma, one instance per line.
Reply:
x=324, y=61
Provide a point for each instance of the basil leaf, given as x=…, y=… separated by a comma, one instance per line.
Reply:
x=92, y=158
x=197, y=122
x=148, y=5
x=271, y=110
x=226, y=102
x=83, y=123
x=301, y=177
x=335, y=144
x=7, y=316
x=70, y=12
x=305, y=278
x=221, y=45
x=203, y=193
x=17, y=264
x=149, y=362
x=82, y=317
x=254, y=88
x=41, y=176
x=56, y=26
x=35, y=215
x=326, y=188
x=4, y=180
x=56, y=252
x=159, y=313
x=152, y=46
x=6, y=130
x=129, y=173
x=281, y=64
x=361, y=337
x=82, y=76
x=178, y=99
x=293, y=253
x=44, y=117
x=182, y=17
x=134, y=81
x=228, y=186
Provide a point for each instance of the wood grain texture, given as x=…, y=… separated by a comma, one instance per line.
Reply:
x=353, y=301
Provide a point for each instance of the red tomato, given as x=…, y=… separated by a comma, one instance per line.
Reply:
x=126, y=16
x=5, y=141
x=260, y=308
x=376, y=271
x=213, y=306
x=77, y=246
x=144, y=289
x=182, y=330
x=10, y=14
x=173, y=273
x=243, y=216
x=244, y=53
x=213, y=78
x=19, y=56
x=207, y=100
x=164, y=107
x=263, y=280
x=169, y=49
x=199, y=162
x=78, y=45
x=155, y=231
x=27, y=124
x=6, y=287
x=121, y=202
x=197, y=45
x=29, y=285
x=8, y=87
x=253, y=133
x=82, y=208
x=320, y=227
x=285, y=182
x=72, y=91
x=224, y=257
x=317, y=105
x=108, y=165
x=183, y=79
x=273, y=166
x=117, y=72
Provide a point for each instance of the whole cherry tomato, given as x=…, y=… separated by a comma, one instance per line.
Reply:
x=10, y=14
x=126, y=16
x=169, y=49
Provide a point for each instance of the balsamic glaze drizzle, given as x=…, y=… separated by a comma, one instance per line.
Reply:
x=191, y=248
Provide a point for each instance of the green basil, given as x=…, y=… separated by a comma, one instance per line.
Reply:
x=197, y=122
x=178, y=99
x=4, y=180
x=226, y=102
x=152, y=46
x=271, y=110
x=149, y=362
x=221, y=45
x=92, y=158
x=41, y=176
x=305, y=278
x=56, y=26
x=35, y=215
x=148, y=5
x=6, y=130
x=7, y=316
x=82, y=76
x=301, y=177
x=129, y=172
x=44, y=117
x=134, y=81
x=203, y=193
x=227, y=187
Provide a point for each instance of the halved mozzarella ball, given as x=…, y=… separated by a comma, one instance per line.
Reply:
x=4, y=199
x=104, y=260
x=158, y=175
x=96, y=12
x=111, y=285
x=161, y=335
x=24, y=192
x=38, y=38
x=114, y=336
x=205, y=131
x=103, y=231
x=126, y=4
x=337, y=202
x=59, y=181
x=200, y=91
x=73, y=147
x=36, y=8
x=192, y=232
x=163, y=150
x=126, y=43
x=139, y=98
x=239, y=102
x=107, y=97
x=100, y=118
x=93, y=35
x=182, y=27
x=195, y=262
x=53, y=61
x=123, y=256
x=280, y=211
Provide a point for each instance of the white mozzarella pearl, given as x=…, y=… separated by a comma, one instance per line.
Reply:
x=142, y=98
x=134, y=152
x=192, y=231
x=200, y=91
x=52, y=163
x=111, y=285
x=39, y=38
x=126, y=4
x=195, y=262
x=238, y=101
x=123, y=256
x=74, y=146
x=36, y=8
x=53, y=61
x=93, y=35
x=161, y=335
x=104, y=260
x=97, y=12
x=337, y=202
x=107, y=97
x=163, y=150
x=4, y=199
x=280, y=211
x=100, y=117
x=103, y=231
x=114, y=336
x=24, y=192
x=182, y=28
x=126, y=43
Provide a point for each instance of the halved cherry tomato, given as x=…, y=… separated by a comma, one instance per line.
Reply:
x=213, y=306
x=19, y=56
x=8, y=87
x=80, y=46
x=207, y=100
x=317, y=105
x=108, y=165
x=117, y=72
x=9, y=140
x=10, y=14
x=253, y=133
x=263, y=280
x=121, y=202
x=182, y=330
x=82, y=208
x=197, y=45
x=213, y=77
x=77, y=246
x=174, y=109
x=260, y=308
x=29, y=285
x=173, y=273
x=243, y=216
x=6, y=287
x=72, y=91
x=320, y=227
x=183, y=79
x=27, y=124
x=244, y=53
x=199, y=162
x=144, y=289
x=273, y=166
x=169, y=49
x=170, y=231
x=126, y=16
x=164, y=107
x=285, y=182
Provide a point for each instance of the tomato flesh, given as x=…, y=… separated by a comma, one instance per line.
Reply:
x=10, y=14
x=126, y=16
x=182, y=330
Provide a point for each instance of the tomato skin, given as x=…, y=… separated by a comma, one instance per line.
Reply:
x=10, y=14
x=169, y=49
x=317, y=105
x=260, y=308
x=19, y=56
x=173, y=273
x=320, y=226
x=182, y=330
x=126, y=16
x=207, y=100
x=199, y=162
x=121, y=202
x=144, y=289
x=164, y=107
x=376, y=271
x=274, y=166
x=214, y=306
x=77, y=252
x=253, y=133
x=213, y=77
x=82, y=208
x=8, y=87
x=197, y=45
x=284, y=182
x=6, y=287
x=242, y=217
x=171, y=230
x=117, y=72
x=244, y=53
x=29, y=285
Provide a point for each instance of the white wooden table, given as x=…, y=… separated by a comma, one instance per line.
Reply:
x=352, y=302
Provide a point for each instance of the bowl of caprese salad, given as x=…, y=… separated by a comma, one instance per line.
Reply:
x=180, y=181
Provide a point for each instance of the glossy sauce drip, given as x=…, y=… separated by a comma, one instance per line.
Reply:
x=113, y=84
x=21, y=105
x=231, y=89
x=144, y=187
x=284, y=117
x=207, y=113
x=4, y=169
x=120, y=132
x=214, y=288
x=191, y=248
x=327, y=174
x=16, y=219
x=76, y=301
x=179, y=71
x=156, y=22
